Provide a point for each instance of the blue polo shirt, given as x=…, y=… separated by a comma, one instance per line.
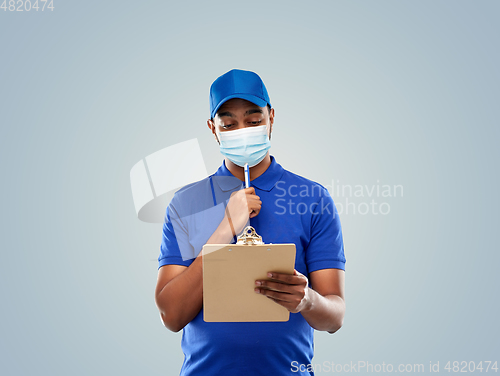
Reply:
x=294, y=210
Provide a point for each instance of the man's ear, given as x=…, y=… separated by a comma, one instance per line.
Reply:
x=211, y=126
x=271, y=122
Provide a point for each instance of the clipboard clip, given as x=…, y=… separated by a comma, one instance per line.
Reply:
x=249, y=237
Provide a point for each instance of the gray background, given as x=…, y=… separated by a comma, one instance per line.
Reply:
x=365, y=92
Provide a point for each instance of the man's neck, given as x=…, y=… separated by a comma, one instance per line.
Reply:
x=255, y=171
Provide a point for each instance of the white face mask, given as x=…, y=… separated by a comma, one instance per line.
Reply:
x=246, y=145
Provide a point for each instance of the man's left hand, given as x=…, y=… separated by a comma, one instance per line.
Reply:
x=289, y=290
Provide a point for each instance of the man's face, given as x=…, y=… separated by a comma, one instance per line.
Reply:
x=238, y=113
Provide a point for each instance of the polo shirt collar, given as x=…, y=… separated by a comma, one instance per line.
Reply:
x=264, y=182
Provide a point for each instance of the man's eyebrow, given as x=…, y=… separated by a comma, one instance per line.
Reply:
x=226, y=113
x=249, y=112
x=253, y=111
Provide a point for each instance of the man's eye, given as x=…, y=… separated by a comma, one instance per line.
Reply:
x=255, y=122
x=226, y=126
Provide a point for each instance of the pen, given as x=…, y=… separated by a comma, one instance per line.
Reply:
x=247, y=175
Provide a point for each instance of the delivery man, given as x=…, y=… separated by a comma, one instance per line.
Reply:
x=283, y=208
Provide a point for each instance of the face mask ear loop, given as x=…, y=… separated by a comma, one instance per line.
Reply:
x=216, y=134
x=268, y=126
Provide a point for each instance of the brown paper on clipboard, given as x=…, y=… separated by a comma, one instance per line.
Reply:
x=229, y=275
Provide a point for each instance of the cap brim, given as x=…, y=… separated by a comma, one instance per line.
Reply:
x=249, y=97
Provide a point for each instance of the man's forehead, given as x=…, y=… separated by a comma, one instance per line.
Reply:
x=236, y=103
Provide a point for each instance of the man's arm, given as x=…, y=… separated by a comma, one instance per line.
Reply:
x=327, y=309
x=322, y=305
x=179, y=289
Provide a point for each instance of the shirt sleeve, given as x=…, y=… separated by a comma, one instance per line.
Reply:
x=174, y=238
x=326, y=246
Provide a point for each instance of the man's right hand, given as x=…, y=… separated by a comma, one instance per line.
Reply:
x=179, y=290
x=243, y=204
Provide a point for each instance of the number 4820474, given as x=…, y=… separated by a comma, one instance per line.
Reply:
x=27, y=5
x=471, y=366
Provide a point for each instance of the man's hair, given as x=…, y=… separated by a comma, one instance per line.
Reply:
x=268, y=110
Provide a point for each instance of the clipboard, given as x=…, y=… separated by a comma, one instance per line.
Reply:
x=229, y=275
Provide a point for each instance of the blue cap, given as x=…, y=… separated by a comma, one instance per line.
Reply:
x=238, y=84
